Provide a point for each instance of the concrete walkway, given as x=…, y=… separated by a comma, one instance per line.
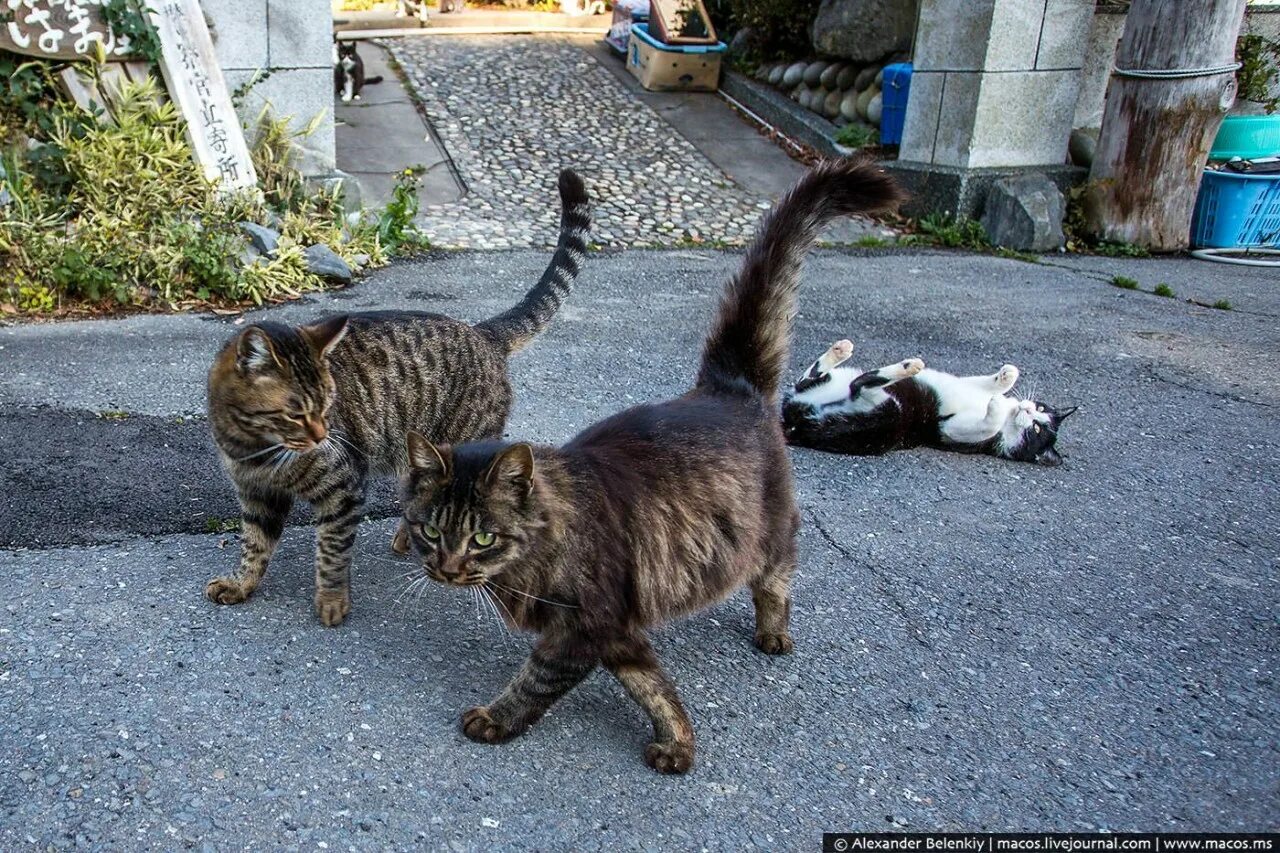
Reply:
x=382, y=134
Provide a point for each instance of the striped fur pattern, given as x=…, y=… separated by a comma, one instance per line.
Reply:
x=658, y=511
x=312, y=412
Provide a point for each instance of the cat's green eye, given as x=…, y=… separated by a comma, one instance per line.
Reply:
x=482, y=539
x=431, y=532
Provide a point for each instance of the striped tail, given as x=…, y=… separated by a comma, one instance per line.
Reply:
x=517, y=326
x=750, y=338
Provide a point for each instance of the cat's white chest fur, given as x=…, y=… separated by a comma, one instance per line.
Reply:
x=973, y=410
x=836, y=390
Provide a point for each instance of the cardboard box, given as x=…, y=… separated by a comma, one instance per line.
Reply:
x=673, y=68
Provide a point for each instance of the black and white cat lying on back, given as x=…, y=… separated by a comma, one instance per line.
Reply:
x=842, y=410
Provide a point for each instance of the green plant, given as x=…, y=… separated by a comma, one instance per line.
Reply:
x=870, y=241
x=221, y=525
x=1016, y=255
x=1222, y=305
x=129, y=18
x=114, y=415
x=1259, y=71
x=36, y=298
x=1124, y=282
x=1164, y=290
x=396, y=230
x=1120, y=250
x=953, y=232
x=855, y=135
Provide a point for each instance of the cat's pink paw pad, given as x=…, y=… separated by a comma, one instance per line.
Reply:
x=912, y=366
x=1007, y=376
x=841, y=350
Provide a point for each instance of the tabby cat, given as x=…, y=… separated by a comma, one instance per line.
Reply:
x=843, y=410
x=313, y=411
x=653, y=513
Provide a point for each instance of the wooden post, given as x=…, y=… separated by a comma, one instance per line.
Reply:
x=1156, y=133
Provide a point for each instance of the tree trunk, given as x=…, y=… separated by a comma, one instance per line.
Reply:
x=1156, y=134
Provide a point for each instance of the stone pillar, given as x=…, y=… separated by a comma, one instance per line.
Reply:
x=290, y=42
x=993, y=94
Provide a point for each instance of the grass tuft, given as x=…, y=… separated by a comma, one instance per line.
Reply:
x=1164, y=290
x=1124, y=282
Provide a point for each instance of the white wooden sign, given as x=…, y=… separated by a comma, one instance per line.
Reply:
x=195, y=83
x=58, y=29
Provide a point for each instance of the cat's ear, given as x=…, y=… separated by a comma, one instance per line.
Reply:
x=425, y=457
x=512, y=467
x=254, y=352
x=1049, y=456
x=1061, y=414
x=324, y=336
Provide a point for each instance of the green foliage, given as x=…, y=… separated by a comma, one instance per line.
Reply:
x=1016, y=255
x=855, y=135
x=870, y=241
x=1120, y=250
x=1259, y=72
x=1124, y=282
x=1222, y=305
x=130, y=18
x=120, y=213
x=1164, y=290
x=396, y=230
x=779, y=28
x=221, y=525
x=1074, y=226
x=953, y=232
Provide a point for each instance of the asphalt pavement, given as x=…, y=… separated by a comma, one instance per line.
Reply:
x=980, y=644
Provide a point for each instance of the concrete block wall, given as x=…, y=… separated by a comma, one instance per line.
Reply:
x=995, y=82
x=291, y=42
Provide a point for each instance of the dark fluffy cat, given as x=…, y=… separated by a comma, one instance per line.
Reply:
x=843, y=410
x=312, y=412
x=655, y=512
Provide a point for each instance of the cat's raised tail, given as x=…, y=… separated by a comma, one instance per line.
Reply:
x=751, y=335
x=517, y=326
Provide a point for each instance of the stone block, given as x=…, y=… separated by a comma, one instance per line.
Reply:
x=954, y=141
x=239, y=28
x=300, y=93
x=1025, y=213
x=1022, y=119
x=1015, y=35
x=1100, y=54
x=924, y=110
x=1064, y=36
x=301, y=33
x=952, y=35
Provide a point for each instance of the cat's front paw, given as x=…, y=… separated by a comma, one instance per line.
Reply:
x=1006, y=378
x=226, y=591
x=669, y=756
x=480, y=726
x=775, y=644
x=332, y=607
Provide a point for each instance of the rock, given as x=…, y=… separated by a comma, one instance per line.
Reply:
x=863, y=30
x=874, y=108
x=831, y=103
x=830, y=75
x=864, y=98
x=848, y=74
x=262, y=238
x=865, y=78
x=880, y=79
x=1025, y=213
x=325, y=262
x=249, y=255
x=794, y=74
x=849, y=105
x=813, y=72
x=1083, y=145
x=797, y=92
x=775, y=74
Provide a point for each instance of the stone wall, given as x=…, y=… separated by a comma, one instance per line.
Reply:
x=290, y=41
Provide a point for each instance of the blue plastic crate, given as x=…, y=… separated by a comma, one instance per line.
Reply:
x=896, y=86
x=1236, y=210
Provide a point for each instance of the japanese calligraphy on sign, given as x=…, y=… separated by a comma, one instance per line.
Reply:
x=70, y=29
x=58, y=29
x=195, y=83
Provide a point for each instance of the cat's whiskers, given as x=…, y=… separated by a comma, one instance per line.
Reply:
x=493, y=600
x=533, y=597
x=260, y=452
x=338, y=436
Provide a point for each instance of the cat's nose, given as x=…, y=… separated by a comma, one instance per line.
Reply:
x=316, y=430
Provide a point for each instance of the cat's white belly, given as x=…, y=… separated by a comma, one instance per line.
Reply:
x=973, y=413
x=834, y=390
